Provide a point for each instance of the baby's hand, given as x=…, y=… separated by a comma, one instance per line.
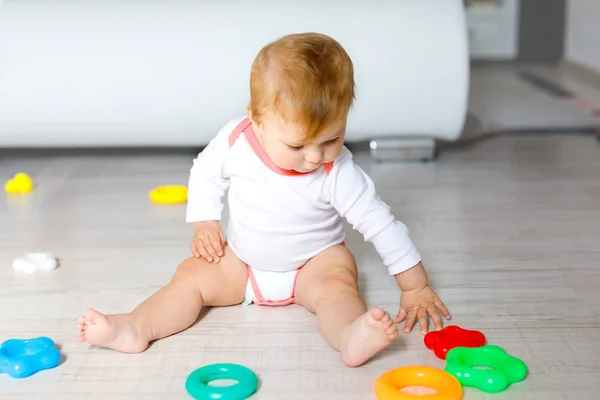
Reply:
x=416, y=304
x=208, y=241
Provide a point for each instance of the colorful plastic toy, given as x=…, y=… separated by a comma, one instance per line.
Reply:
x=388, y=385
x=20, y=358
x=441, y=342
x=460, y=363
x=33, y=262
x=20, y=183
x=197, y=382
x=171, y=194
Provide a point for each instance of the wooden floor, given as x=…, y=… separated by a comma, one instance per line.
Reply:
x=509, y=230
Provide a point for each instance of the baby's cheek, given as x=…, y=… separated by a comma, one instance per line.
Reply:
x=289, y=160
x=332, y=153
x=283, y=158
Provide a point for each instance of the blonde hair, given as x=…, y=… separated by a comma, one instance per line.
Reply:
x=307, y=79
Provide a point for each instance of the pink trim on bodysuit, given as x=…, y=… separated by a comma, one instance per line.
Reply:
x=261, y=300
x=238, y=130
x=246, y=127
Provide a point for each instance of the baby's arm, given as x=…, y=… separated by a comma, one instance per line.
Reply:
x=353, y=195
x=206, y=188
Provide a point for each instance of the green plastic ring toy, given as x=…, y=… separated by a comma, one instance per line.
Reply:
x=197, y=382
x=460, y=363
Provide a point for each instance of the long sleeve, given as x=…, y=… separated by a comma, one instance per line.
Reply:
x=208, y=181
x=353, y=195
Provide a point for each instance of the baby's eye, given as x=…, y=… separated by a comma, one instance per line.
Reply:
x=332, y=141
x=295, y=147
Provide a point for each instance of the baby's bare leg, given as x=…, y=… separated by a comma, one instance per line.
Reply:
x=328, y=287
x=172, y=309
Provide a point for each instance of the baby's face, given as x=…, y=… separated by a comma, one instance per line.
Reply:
x=284, y=145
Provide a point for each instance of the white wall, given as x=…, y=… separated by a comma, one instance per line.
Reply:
x=583, y=33
x=493, y=32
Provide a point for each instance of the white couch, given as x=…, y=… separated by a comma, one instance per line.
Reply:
x=171, y=73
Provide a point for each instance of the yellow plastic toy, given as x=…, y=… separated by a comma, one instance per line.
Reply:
x=20, y=183
x=170, y=194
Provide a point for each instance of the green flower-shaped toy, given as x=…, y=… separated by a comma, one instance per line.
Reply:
x=506, y=369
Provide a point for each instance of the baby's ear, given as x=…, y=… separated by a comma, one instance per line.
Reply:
x=252, y=118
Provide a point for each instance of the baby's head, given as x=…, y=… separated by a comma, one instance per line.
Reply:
x=301, y=90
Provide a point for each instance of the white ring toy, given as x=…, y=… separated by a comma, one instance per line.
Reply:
x=32, y=262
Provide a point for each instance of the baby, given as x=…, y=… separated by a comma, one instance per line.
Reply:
x=290, y=181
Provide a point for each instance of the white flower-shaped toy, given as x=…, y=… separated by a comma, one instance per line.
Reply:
x=33, y=262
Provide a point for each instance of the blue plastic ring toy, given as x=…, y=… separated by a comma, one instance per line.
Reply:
x=20, y=358
x=197, y=382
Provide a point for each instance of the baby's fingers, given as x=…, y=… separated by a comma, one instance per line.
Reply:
x=411, y=318
x=401, y=315
x=202, y=251
x=423, y=321
x=194, y=250
x=218, y=246
x=442, y=307
x=208, y=245
x=435, y=316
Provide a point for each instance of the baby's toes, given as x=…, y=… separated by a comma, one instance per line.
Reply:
x=376, y=313
x=391, y=327
x=387, y=322
x=91, y=315
x=386, y=318
x=392, y=330
x=81, y=320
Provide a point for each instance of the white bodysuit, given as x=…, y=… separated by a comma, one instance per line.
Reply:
x=280, y=219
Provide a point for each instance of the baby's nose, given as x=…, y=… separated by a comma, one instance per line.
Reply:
x=314, y=157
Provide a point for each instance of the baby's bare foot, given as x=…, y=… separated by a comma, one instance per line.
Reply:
x=367, y=336
x=118, y=332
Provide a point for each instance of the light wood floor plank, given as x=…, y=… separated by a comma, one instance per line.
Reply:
x=509, y=229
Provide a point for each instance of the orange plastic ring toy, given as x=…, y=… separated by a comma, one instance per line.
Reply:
x=388, y=385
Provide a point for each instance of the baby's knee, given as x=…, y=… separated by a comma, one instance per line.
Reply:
x=189, y=268
x=219, y=284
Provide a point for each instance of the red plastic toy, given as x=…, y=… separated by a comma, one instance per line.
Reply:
x=441, y=342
